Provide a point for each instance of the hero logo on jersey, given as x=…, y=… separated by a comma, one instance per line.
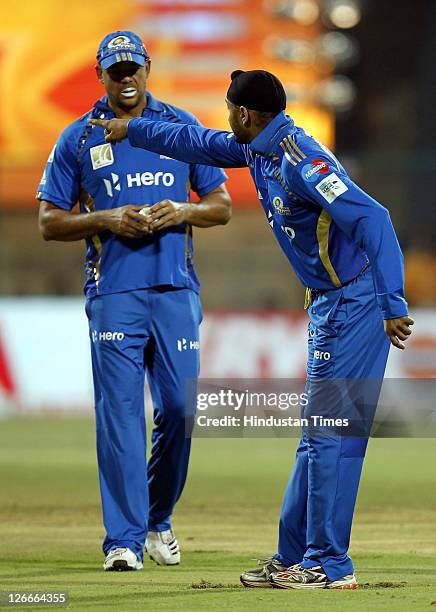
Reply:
x=150, y=178
x=101, y=156
x=315, y=170
x=331, y=187
x=115, y=184
x=139, y=179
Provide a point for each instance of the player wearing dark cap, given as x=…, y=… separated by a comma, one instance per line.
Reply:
x=142, y=295
x=341, y=244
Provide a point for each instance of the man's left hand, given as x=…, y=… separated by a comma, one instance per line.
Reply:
x=115, y=129
x=167, y=213
x=398, y=329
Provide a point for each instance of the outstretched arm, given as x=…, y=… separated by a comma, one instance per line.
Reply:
x=185, y=142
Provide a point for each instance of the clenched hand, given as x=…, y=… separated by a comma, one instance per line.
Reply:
x=167, y=213
x=398, y=329
x=126, y=221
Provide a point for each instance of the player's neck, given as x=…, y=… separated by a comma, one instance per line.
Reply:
x=122, y=112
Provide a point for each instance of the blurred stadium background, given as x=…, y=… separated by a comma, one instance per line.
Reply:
x=360, y=76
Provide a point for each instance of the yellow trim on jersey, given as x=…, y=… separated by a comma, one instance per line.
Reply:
x=322, y=234
x=129, y=55
x=291, y=150
x=296, y=147
x=307, y=298
x=90, y=207
x=286, y=154
x=187, y=251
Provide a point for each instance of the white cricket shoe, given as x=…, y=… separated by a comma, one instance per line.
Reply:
x=162, y=547
x=121, y=560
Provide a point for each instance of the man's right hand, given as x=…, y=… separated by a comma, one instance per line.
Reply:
x=115, y=130
x=126, y=221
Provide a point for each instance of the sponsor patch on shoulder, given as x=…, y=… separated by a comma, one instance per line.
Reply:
x=331, y=187
x=315, y=170
x=101, y=156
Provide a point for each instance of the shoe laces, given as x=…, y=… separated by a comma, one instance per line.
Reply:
x=264, y=560
x=295, y=568
x=117, y=551
x=168, y=537
x=313, y=572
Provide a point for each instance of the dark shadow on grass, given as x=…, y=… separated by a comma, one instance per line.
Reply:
x=383, y=585
x=397, y=570
x=205, y=584
x=147, y=595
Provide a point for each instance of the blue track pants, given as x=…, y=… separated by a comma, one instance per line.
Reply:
x=347, y=343
x=153, y=332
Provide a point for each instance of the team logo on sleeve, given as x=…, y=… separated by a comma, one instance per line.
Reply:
x=101, y=156
x=331, y=187
x=314, y=171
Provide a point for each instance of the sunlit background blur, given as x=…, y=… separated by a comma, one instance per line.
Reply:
x=359, y=75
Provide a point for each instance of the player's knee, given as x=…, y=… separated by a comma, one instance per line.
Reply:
x=174, y=412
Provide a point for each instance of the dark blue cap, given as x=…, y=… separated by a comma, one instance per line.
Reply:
x=257, y=90
x=121, y=46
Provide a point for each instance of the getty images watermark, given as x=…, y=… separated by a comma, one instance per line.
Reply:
x=284, y=408
x=240, y=401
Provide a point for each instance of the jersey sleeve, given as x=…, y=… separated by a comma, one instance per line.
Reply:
x=205, y=179
x=60, y=183
x=365, y=222
x=188, y=143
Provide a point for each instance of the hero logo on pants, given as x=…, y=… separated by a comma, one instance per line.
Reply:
x=185, y=345
x=107, y=336
x=324, y=355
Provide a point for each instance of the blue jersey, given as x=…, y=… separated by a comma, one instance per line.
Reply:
x=328, y=228
x=84, y=168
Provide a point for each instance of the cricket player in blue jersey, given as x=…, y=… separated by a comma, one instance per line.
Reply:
x=142, y=296
x=342, y=246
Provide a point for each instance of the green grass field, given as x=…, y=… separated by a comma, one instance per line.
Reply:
x=50, y=525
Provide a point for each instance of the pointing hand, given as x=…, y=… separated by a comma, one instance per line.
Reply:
x=115, y=129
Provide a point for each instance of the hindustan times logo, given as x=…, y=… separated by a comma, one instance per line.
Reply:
x=187, y=345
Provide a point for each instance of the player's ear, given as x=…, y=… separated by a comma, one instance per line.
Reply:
x=245, y=116
x=147, y=67
x=99, y=72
